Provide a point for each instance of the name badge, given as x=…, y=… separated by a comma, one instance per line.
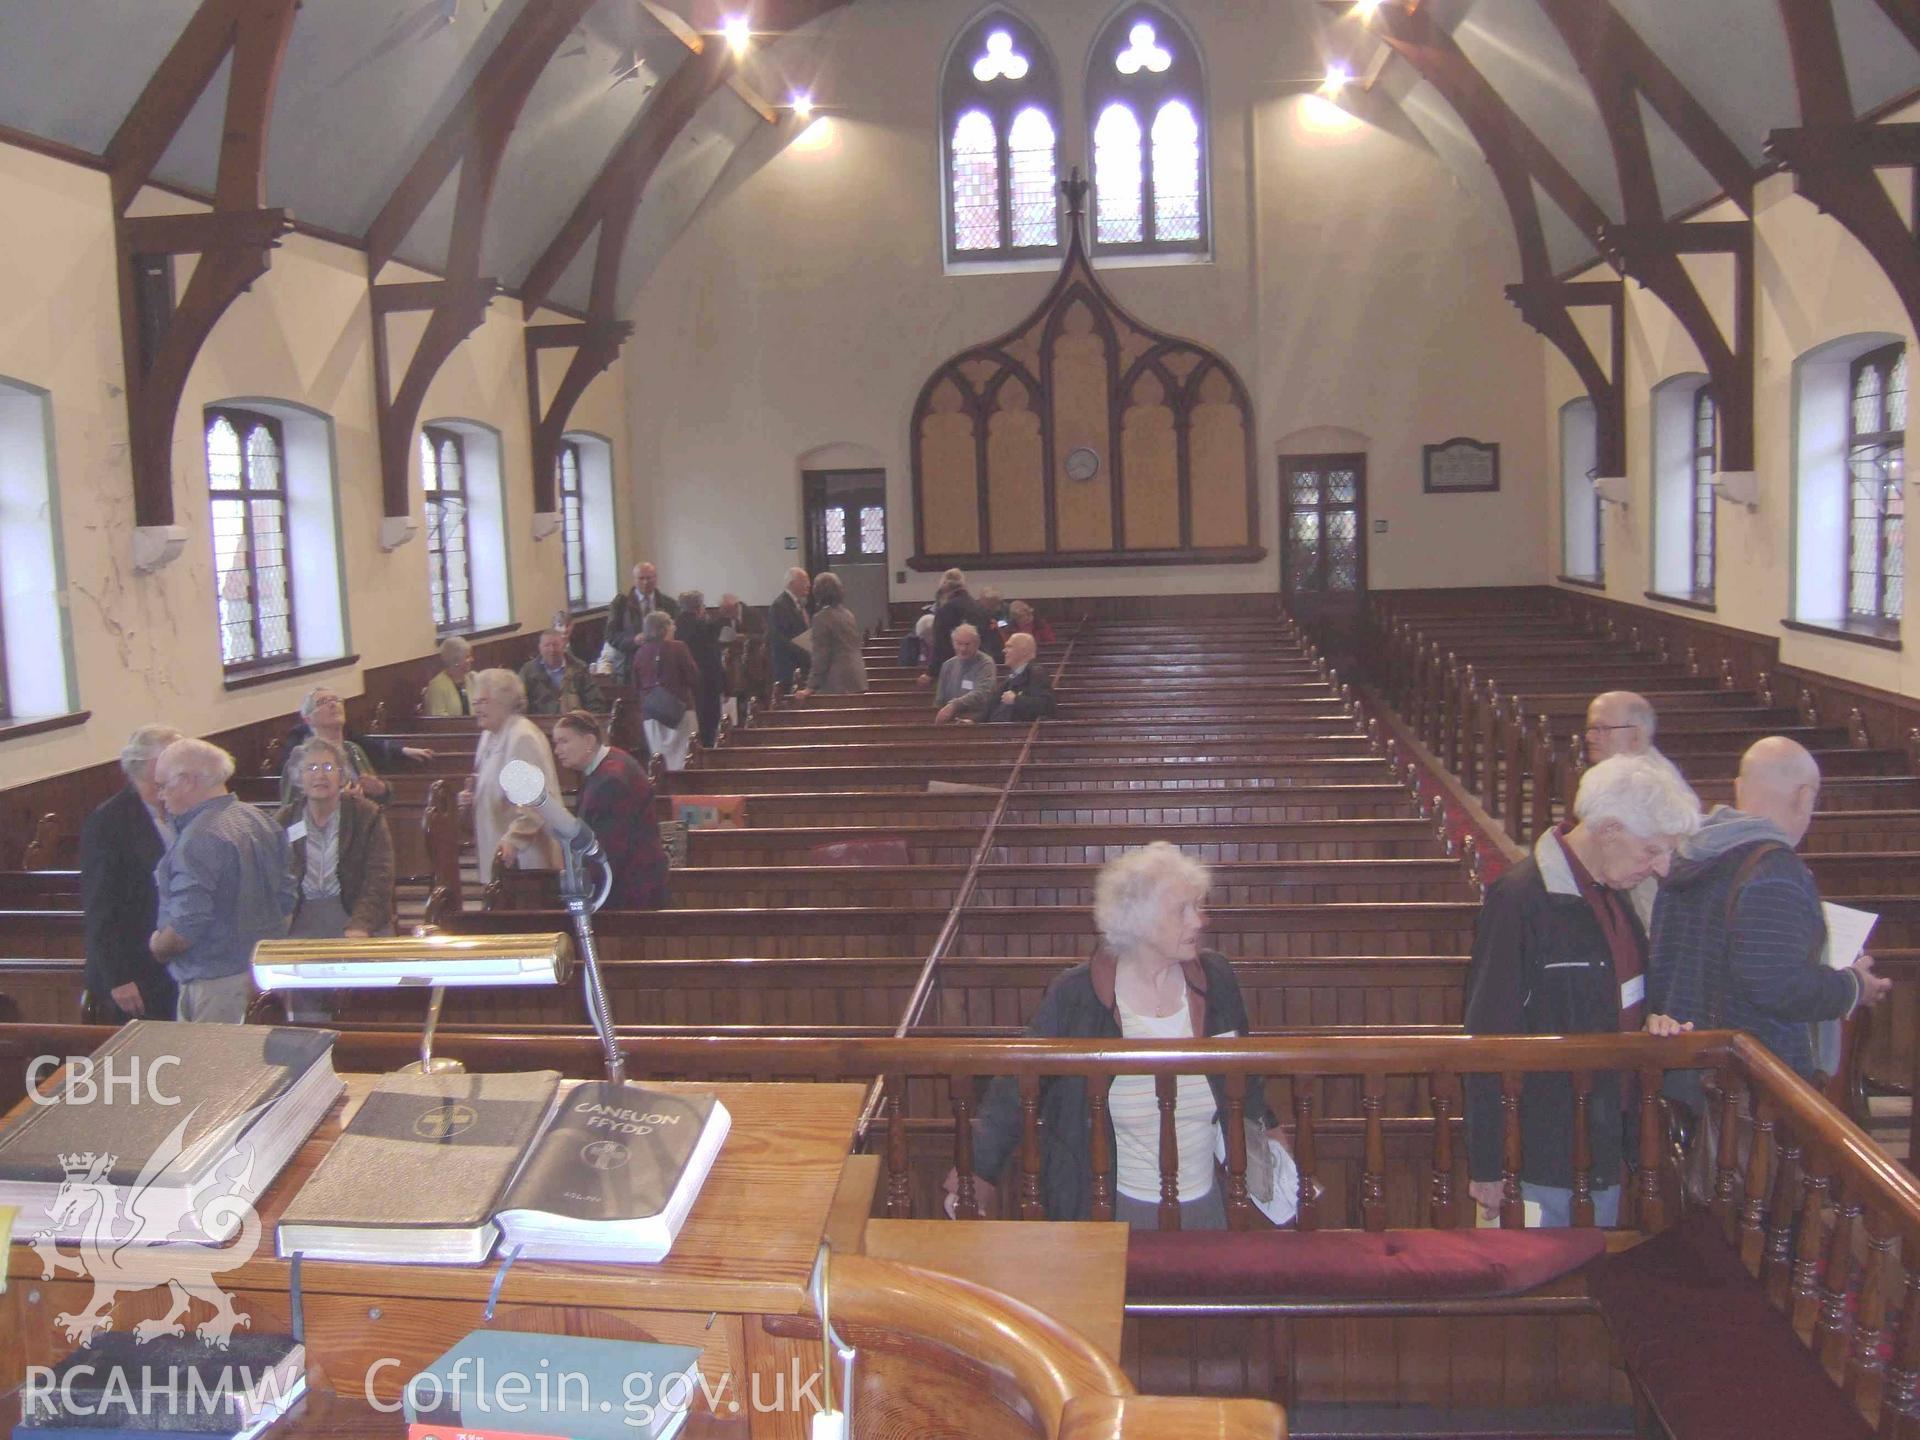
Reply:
x=966, y=684
x=296, y=831
x=1633, y=991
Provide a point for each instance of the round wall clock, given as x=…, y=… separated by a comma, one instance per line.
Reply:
x=1082, y=463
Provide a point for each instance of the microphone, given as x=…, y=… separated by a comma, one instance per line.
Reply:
x=525, y=785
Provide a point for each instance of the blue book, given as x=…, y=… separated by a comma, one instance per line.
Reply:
x=519, y=1383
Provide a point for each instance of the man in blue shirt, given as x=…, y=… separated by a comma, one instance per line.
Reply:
x=224, y=884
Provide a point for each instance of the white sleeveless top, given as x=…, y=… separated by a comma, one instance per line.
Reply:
x=1136, y=1116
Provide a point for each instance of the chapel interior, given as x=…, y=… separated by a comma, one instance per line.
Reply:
x=1352, y=389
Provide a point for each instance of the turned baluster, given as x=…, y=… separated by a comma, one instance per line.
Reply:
x=1900, y=1398
x=1693, y=661
x=1450, y=713
x=1857, y=735
x=1776, y=1265
x=1651, y=1212
x=1440, y=1181
x=1239, y=1206
x=1582, y=1205
x=1512, y=762
x=1469, y=767
x=1513, y=1209
x=1102, y=1149
x=1373, y=1177
x=1807, y=1248
x=1166, y=1089
x=1879, y=1283
x=966, y=1203
x=899, y=1189
x=1304, y=1159
x=1830, y=1332
x=1726, y=1175
x=1753, y=1214
x=1030, y=1206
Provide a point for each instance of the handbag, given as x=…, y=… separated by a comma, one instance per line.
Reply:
x=1695, y=1138
x=657, y=702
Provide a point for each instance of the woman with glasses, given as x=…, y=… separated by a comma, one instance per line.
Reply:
x=341, y=858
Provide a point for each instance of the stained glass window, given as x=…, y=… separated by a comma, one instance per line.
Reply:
x=443, y=476
x=1876, y=490
x=1146, y=96
x=572, y=525
x=873, y=530
x=1116, y=177
x=836, y=518
x=1322, y=525
x=1706, y=423
x=246, y=487
x=1000, y=107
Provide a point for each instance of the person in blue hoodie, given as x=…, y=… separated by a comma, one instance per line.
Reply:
x=1738, y=936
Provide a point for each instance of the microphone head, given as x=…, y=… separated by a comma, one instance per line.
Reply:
x=523, y=783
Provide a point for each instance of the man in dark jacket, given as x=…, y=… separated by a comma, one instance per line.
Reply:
x=120, y=843
x=1025, y=693
x=1738, y=933
x=787, y=620
x=699, y=630
x=956, y=608
x=1560, y=951
x=630, y=607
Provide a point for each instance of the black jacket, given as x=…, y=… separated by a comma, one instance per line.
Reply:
x=1079, y=1005
x=625, y=614
x=1541, y=966
x=119, y=846
x=786, y=618
x=1032, y=695
x=959, y=609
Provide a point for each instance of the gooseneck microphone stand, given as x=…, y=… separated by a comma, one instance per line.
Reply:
x=586, y=879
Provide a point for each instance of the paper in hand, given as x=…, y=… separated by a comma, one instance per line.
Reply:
x=1847, y=931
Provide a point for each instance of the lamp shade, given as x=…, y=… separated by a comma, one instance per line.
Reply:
x=431, y=959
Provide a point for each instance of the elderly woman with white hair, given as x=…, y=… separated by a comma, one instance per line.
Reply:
x=505, y=833
x=1560, y=950
x=1148, y=980
x=450, y=692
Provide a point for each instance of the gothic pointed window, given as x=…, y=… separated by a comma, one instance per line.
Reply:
x=443, y=476
x=1876, y=472
x=246, y=484
x=1000, y=108
x=1146, y=97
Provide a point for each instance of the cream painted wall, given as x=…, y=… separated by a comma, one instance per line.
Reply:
x=1814, y=284
x=1352, y=285
x=145, y=645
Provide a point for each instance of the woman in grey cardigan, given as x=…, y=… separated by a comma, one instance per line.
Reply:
x=839, y=668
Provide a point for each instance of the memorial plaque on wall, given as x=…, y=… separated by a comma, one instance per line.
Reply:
x=1460, y=467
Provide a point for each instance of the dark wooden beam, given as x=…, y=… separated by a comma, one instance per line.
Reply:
x=1648, y=247
x=234, y=241
x=489, y=107
x=1516, y=156
x=1833, y=154
x=475, y=138
x=430, y=294
x=1906, y=15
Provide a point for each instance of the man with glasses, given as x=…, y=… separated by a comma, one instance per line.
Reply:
x=223, y=883
x=1620, y=722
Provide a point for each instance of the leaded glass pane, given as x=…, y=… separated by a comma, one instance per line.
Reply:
x=263, y=459
x=270, y=572
x=1143, y=52
x=1343, y=559
x=1865, y=533
x=1000, y=60
x=1866, y=399
x=1176, y=173
x=873, y=530
x=1036, y=211
x=223, y=454
x=1303, y=550
x=1705, y=438
x=429, y=468
x=1306, y=487
x=452, y=465
x=1342, y=487
x=1116, y=177
x=1897, y=394
x=572, y=540
x=976, y=183
x=232, y=581
x=836, y=518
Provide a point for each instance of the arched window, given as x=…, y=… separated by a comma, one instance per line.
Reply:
x=1000, y=129
x=586, y=519
x=443, y=478
x=1706, y=447
x=1583, y=554
x=1146, y=98
x=1876, y=468
x=36, y=654
x=247, y=487
x=572, y=534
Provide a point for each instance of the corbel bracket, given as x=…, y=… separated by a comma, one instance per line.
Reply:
x=1547, y=306
x=1834, y=166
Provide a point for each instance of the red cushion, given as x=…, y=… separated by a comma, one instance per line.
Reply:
x=1715, y=1359
x=892, y=851
x=1352, y=1264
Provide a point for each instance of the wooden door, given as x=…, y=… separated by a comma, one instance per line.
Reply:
x=1323, y=541
x=846, y=526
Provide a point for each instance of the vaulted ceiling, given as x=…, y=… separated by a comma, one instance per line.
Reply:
x=366, y=84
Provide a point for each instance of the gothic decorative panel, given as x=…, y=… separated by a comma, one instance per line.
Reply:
x=1168, y=424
